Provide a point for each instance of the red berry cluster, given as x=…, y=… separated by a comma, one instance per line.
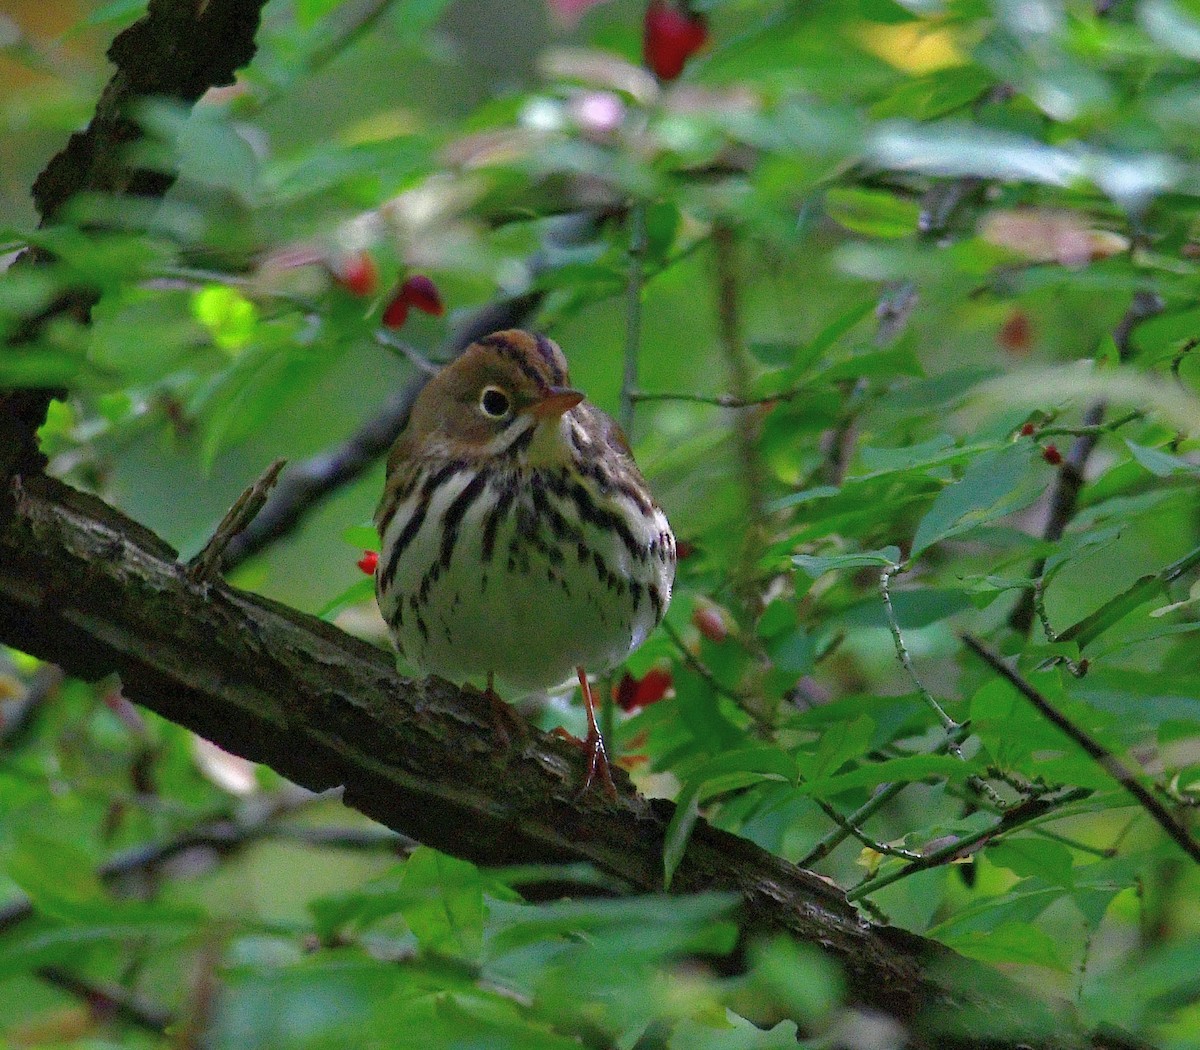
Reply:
x=369, y=562
x=356, y=273
x=672, y=34
x=415, y=292
x=631, y=693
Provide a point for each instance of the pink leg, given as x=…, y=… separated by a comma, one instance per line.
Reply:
x=597, y=756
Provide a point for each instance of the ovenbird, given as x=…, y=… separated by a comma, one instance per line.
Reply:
x=519, y=539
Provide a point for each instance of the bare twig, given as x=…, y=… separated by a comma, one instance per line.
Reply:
x=244, y=510
x=227, y=836
x=746, y=426
x=633, y=311
x=110, y=1002
x=1014, y=817
x=885, y=591
x=855, y=832
x=697, y=665
x=718, y=400
x=1107, y=761
x=1065, y=497
x=882, y=796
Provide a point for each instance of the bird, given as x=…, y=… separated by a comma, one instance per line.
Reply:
x=519, y=542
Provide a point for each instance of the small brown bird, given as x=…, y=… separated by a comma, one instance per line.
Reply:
x=519, y=539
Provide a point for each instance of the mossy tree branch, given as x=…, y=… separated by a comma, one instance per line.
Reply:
x=93, y=591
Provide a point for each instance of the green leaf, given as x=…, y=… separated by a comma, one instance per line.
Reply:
x=447, y=913
x=995, y=484
x=1012, y=943
x=874, y=213
x=227, y=314
x=362, y=537
x=679, y=832
x=911, y=768
x=840, y=743
x=1026, y=856
x=1161, y=464
x=818, y=565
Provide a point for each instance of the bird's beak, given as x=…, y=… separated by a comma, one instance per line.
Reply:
x=555, y=402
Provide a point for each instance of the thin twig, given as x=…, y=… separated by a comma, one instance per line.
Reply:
x=227, y=835
x=633, y=311
x=697, y=665
x=205, y=564
x=882, y=796
x=1104, y=758
x=108, y=1001
x=746, y=426
x=948, y=723
x=1028, y=810
x=1087, y=630
x=410, y=353
x=1098, y=430
x=1065, y=496
x=855, y=832
x=719, y=400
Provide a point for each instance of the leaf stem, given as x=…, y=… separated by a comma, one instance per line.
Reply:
x=948, y=723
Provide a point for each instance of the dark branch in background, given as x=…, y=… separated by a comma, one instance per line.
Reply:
x=83, y=586
x=178, y=50
x=306, y=485
x=259, y=820
x=1104, y=758
x=110, y=1002
x=1065, y=497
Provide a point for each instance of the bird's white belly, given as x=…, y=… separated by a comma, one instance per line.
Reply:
x=534, y=604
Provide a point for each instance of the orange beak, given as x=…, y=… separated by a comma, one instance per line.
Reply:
x=557, y=401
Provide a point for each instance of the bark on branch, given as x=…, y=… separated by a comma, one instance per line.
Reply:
x=93, y=591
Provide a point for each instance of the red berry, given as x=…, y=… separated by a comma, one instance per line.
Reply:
x=396, y=311
x=358, y=275
x=1016, y=334
x=710, y=622
x=1027, y=429
x=683, y=549
x=670, y=37
x=1051, y=455
x=369, y=562
x=421, y=292
x=634, y=693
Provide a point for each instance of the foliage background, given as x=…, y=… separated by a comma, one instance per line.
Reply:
x=946, y=221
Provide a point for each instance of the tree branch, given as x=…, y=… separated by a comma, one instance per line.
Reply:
x=178, y=50
x=83, y=586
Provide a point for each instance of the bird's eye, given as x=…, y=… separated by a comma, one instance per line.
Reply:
x=494, y=402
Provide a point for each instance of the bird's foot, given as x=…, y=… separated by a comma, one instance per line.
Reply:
x=598, y=767
x=598, y=764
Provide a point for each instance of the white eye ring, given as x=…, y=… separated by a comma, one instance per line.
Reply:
x=494, y=403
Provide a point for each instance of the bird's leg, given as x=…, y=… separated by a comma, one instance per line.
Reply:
x=594, y=744
x=504, y=718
